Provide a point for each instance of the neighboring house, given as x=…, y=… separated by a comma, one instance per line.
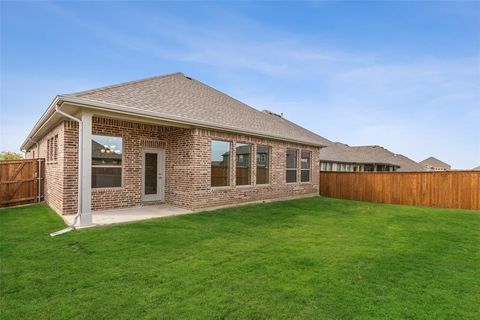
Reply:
x=433, y=164
x=163, y=140
x=341, y=157
x=476, y=168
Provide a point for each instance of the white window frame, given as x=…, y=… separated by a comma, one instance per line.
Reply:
x=122, y=175
x=309, y=166
x=292, y=169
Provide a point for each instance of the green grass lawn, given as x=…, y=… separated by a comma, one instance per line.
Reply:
x=311, y=258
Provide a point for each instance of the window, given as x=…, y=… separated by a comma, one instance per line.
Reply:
x=55, y=147
x=106, y=161
x=263, y=165
x=291, y=161
x=243, y=170
x=305, y=166
x=52, y=149
x=48, y=150
x=220, y=163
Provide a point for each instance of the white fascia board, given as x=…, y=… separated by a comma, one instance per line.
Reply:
x=45, y=116
x=149, y=114
x=174, y=119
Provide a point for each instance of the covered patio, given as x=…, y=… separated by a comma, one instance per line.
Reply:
x=124, y=215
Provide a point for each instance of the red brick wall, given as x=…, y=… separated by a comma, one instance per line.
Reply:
x=187, y=168
x=70, y=168
x=205, y=196
x=53, y=169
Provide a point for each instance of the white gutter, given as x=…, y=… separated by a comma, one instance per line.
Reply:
x=80, y=170
x=42, y=121
x=92, y=104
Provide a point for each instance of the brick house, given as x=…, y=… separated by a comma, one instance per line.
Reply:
x=165, y=140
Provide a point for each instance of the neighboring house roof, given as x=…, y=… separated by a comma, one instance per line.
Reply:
x=434, y=162
x=406, y=164
x=182, y=97
x=339, y=152
x=476, y=168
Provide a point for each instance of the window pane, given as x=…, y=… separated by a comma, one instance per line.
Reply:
x=106, y=177
x=291, y=158
x=106, y=161
x=263, y=163
x=305, y=175
x=291, y=175
x=243, y=164
x=106, y=150
x=220, y=163
x=305, y=159
x=151, y=166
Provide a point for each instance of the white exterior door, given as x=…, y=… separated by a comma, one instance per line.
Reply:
x=153, y=175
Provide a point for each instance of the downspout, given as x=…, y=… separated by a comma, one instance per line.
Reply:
x=79, y=192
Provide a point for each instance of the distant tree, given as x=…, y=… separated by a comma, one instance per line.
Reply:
x=10, y=155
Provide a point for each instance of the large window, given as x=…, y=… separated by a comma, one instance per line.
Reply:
x=220, y=163
x=291, y=174
x=106, y=161
x=263, y=164
x=305, y=166
x=243, y=168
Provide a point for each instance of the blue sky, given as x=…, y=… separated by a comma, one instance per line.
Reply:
x=405, y=75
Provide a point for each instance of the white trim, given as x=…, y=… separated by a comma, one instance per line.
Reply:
x=160, y=195
x=86, y=216
x=155, y=115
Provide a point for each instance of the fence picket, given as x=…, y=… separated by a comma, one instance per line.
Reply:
x=448, y=189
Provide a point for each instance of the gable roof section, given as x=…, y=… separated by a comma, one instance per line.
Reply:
x=434, y=162
x=177, y=96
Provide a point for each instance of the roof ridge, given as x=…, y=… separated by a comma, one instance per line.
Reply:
x=122, y=84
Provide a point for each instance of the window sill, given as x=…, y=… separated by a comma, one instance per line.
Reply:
x=263, y=185
x=106, y=189
x=220, y=188
x=244, y=186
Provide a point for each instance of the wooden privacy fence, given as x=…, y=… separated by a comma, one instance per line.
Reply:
x=21, y=181
x=450, y=189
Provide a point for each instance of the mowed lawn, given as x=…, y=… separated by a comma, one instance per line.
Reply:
x=312, y=258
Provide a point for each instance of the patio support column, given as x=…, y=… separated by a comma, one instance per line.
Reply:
x=86, y=163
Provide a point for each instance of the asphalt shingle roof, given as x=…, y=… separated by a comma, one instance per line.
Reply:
x=182, y=97
x=434, y=162
x=339, y=152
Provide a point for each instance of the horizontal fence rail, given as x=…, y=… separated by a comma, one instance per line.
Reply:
x=21, y=182
x=449, y=189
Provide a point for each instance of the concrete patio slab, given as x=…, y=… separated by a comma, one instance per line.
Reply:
x=114, y=216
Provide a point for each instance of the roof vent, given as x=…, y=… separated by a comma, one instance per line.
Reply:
x=273, y=113
x=189, y=78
